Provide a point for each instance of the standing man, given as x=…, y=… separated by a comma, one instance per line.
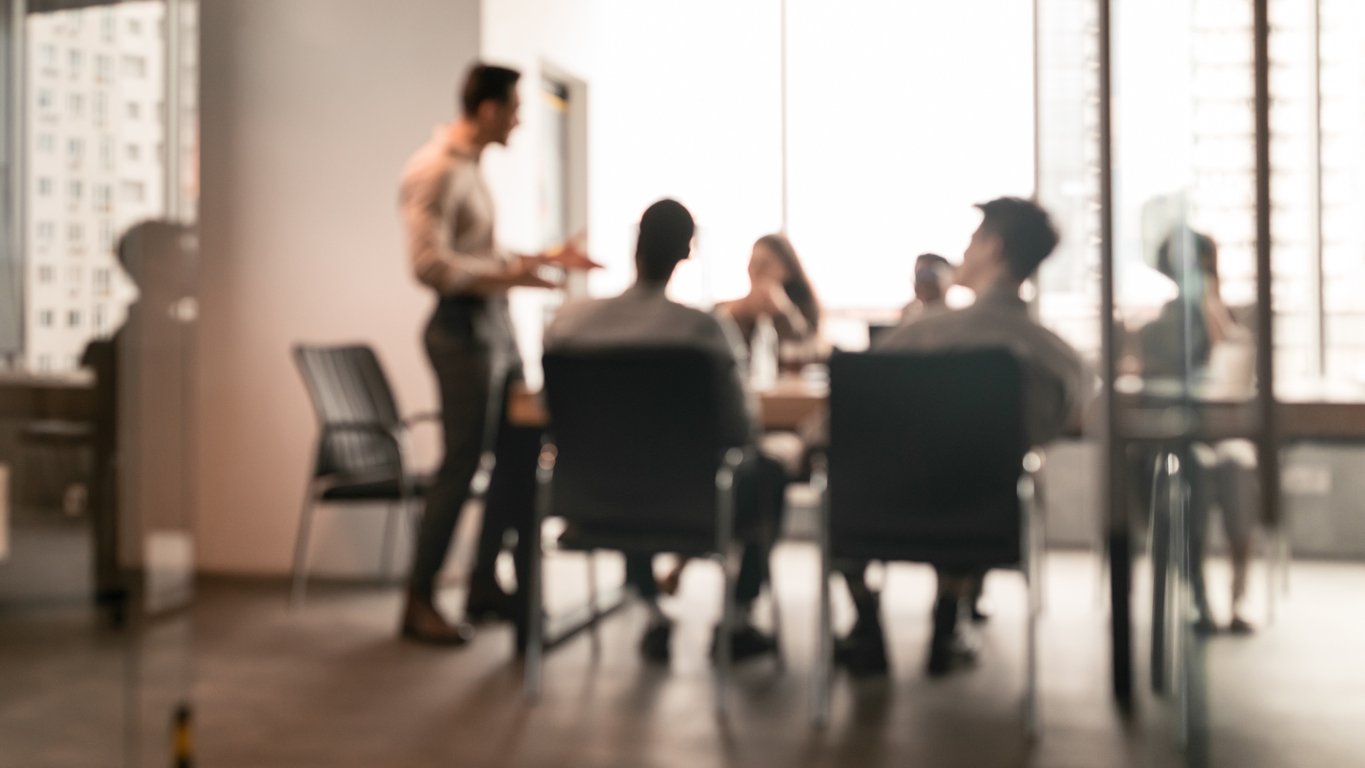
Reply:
x=448, y=214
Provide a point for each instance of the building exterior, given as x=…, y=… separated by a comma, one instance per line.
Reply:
x=95, y=148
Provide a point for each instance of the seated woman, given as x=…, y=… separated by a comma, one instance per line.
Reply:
x=779, y=290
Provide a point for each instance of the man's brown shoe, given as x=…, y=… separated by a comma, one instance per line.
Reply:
x=422, y=623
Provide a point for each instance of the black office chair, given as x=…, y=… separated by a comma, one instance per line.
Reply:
x=362, y=452
x=639, y=462
x=927, y=462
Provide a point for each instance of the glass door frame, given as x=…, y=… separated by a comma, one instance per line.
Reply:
x=1119, y=539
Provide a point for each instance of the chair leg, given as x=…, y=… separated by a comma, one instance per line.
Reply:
x=535, y=630
x=386, y=546
x=594, y=607
x=824, y=660
x=1031, y=546
x=779, y=651
x=300, y=576
x=1159, y=555
x=1183, y=640
x=824, y=663
x=727, y=623
x=1031, y=714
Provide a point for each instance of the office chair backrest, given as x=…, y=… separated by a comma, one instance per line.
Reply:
x=638, y=438
x=347, y=386
x=925, y=456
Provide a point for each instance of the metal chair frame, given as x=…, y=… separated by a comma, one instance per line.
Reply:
x=1029, y=563
x=392, y=433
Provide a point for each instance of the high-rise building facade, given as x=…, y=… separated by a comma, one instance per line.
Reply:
x=95, y=150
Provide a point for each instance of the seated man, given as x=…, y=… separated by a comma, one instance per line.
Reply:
x=644, y=317
x=1014, y=237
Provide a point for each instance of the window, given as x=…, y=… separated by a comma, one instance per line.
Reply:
x=45, y=361
x=135, y=66
x=75, y=190
x=75, y=104
x=73, y=276
x=46, y=142
x=106, y=153
x=101, y=280
x=44, y=99
x=102, y=68
x=45, y=273
x=107, y=26
x=134, y=152
x=134, y=26
x=44, y=186
x=73, y=318
x=100, y=320
x=106, y=236
x=103, y=197
x=45, y=318
x=134, y=110
x=74, y=61
x=74, y=148
x=47, y=55
x=134, y=191
x=74, y=233
x=100, y=107
x=46, y=230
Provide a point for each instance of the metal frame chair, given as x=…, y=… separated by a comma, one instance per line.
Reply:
x=639, y=462
x=362, y=452
x=927, y=462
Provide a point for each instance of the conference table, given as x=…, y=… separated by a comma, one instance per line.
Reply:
x=1305, y=411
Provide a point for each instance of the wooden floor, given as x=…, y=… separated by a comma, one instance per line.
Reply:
x=329, y=685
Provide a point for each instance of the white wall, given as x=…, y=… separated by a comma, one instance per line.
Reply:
x=309, y=110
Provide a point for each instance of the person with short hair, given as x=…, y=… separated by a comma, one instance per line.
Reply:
x=644, y=317
x=447, y=213
x=1014, y=237
x=933, y=277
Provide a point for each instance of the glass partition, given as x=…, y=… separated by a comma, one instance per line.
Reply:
x=96, y=525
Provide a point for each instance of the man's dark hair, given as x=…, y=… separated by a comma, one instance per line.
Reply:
x=486, y=82
x=1025, y=231
x=666, y=230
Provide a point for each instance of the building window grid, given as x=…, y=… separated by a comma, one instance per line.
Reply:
x=105, y=198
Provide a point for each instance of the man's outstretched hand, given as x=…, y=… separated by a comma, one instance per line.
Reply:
x=571, y=256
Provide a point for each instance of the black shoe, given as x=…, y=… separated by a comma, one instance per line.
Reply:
x=948, y=650
x=746, y=642
x=956, y=653
x=654, y=645
x=863, y=654
x=492, y=604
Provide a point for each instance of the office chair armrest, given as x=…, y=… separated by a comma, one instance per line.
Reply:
x=418, y=418
x=361, y=427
